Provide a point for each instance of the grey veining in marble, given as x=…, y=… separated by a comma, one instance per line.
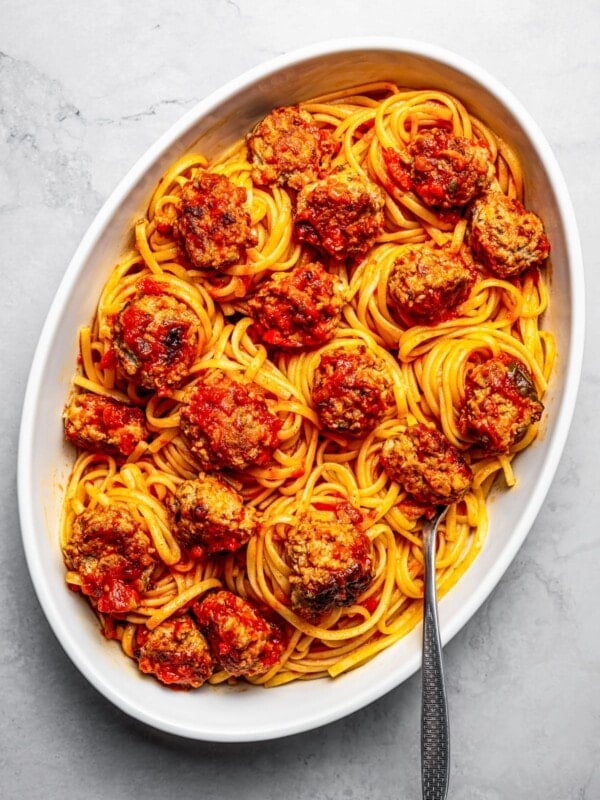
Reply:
x=85, y=88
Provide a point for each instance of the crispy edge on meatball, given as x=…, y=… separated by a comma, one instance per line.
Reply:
x=242, y=640
x=340, y=215
x=210, y=515
x=501, y=403
x=427, y=466
x=103, y=425
x=352, y=391
x=505, y=236
x=155, y=340
x=227, y=423
x=213, y=225
x=175, y=652
x=287, y=148
x=113, y=556
x=427, y=283
x=296, y=309
x=331, y=561
x=447, y=170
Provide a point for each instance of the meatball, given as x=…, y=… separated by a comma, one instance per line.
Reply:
x=500, y=403
x=213, y=225
x=210, y=515
x=426, y=465
x=297, y=309
x=443, y=169
x=505, y=236
x=427, y=283
x=176, y=652
x=330, y=559
x=341, y=215
x=155, y=340
x=103, y=425
x=113, y=556
x=288, y=148
x=352, y=391
x=226, y=422
x=242, y=640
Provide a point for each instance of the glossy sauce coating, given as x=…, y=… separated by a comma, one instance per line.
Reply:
x=213, y=225
x=297, y=309
x=113, y=556
x=331, y=561
x=444, y=170
x=427, y=283
x=175, y=652
x=500, y=403
x=340, y=215
x=241, y=639
x=103, y=425
x=427, y=466
x=287, y=148
x=209, y=516
x=156, y=339
x=226, y=422
x=506, y=237
x=351, y=391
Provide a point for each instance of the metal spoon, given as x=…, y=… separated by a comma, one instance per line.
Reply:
x=435, y=732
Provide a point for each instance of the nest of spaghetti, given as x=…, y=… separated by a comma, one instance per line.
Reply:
x=316, y=339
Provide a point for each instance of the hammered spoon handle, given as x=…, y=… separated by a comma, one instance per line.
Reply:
x=435, y=730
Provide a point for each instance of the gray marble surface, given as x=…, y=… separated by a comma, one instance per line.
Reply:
x=85, y=88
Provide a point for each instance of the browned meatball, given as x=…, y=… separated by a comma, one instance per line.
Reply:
x=226, y=422
x=427, y=466
x=103, y=425
x=241, y=639
x=210, y=515
x=505, y=236
x=113, y=556
x=288, y=148
x=443, y=169
x=214, y=225
x=352, y=391
x=330, y=559
x=341, y=215
x=155, y=340
x=297, y=309
x=500, y=403
x=176, y=652
x=427, y=283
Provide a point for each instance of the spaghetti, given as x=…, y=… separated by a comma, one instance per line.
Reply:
x=311, y=462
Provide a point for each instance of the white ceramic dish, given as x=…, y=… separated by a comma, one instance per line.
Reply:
x=248, y=713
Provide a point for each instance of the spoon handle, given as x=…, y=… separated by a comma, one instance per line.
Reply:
x=435, y=732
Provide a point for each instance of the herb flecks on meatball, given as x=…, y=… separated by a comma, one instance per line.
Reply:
x=176, y=652
x=287, y=148
x=505, y=236
x=331, y=561
x=443, y=169
x=242, y=640
x=427, y=283
x=426, y=465
x=340, y=215
x=227, y=423
x=113, y=556
x=352, y=391
x=501, y=403
x=213, y=225
x=297, y=309
x=103, y=425
x=211, y=516
x=156, y=339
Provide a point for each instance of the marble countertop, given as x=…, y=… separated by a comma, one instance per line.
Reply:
x=85, y=88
